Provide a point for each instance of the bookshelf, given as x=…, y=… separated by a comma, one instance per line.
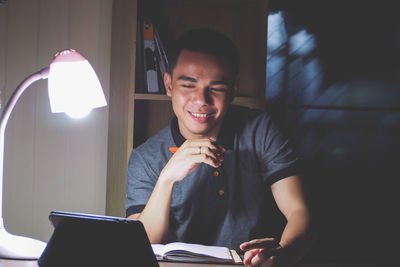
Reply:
x=133, y=117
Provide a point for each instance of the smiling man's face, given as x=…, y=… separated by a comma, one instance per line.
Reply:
x=201, y=88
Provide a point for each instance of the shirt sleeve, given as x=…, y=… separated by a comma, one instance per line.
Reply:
x=141, y=180
x=278, y=158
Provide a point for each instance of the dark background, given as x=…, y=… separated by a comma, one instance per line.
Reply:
x=333, y=83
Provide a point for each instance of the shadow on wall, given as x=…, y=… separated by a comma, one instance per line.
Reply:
x=333, y=83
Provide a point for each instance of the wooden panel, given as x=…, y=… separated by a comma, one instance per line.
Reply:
x=185, y=17
x=121, y=105
x=251, y=38
x=159, y=113
x=53, y=162
x=22, y=17
x=101, y=62
x=3, y=52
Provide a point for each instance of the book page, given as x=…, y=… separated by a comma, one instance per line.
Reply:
x=210, y=251
x=158, y=249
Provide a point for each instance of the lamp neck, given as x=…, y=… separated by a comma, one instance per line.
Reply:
x=8, y=108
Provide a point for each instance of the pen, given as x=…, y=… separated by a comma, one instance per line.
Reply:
x=173, y=149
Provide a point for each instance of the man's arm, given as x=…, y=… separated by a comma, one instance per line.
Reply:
x=297, y=236
x=155, y=215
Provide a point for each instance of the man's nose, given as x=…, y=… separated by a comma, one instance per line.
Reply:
x=202, y=96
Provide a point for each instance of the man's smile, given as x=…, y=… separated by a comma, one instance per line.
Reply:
x=201, y=117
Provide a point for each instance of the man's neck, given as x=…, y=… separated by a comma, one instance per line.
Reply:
x=210, y=135
x=199, y=136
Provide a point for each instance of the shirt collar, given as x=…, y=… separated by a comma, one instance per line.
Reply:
x=225, y=137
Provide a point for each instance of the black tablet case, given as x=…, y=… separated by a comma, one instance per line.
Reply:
x=91, y=240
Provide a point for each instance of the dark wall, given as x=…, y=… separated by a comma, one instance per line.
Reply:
x=333, y=83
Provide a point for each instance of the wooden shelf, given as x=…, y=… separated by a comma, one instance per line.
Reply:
x=142, y=96
x=251, y=102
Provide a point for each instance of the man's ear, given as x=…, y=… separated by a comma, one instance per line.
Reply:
x=168, y=83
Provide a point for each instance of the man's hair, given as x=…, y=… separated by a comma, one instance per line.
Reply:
x=207, y=41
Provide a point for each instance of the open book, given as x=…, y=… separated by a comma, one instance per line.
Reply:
x=187, y=252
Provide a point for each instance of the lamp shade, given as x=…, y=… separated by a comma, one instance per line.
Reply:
x=73, y=85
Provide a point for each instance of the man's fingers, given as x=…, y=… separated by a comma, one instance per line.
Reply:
x=208, y=159
x=194, y=150
x=255, y=257
x=217, y=156
x=259, y=243
x=204, y=151
x=260, y=257
x=204, y=143
x=249, y=255
x=258, y=261
x=201, y=150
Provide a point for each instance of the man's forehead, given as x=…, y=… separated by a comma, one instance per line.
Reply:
x=186, y=54
x=196, y=62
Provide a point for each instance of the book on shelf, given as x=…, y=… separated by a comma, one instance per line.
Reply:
x=188, y=252
x=162, y=58
x=150, y=61
x=151, y=53
x=140, y=81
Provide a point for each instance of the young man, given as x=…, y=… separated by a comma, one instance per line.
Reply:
x=216, y=188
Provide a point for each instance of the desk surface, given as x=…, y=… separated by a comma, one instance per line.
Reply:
x=19, y=263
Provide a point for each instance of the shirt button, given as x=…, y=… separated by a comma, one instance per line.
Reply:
x=221, y=192
x=215, y=173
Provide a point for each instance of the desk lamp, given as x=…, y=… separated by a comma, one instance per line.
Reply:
x=74, y=89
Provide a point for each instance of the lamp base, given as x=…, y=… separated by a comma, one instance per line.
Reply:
x=19, y=247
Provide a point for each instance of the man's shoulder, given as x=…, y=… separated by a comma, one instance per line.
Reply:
x=241, y=115
x=156, y=143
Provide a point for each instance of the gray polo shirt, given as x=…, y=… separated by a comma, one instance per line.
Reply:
x=222, y=206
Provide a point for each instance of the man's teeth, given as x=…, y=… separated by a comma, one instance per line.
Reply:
x=199, y=115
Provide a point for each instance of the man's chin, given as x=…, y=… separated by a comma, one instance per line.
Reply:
x=200, y=132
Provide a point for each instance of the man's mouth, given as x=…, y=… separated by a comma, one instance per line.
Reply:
x=199, y=115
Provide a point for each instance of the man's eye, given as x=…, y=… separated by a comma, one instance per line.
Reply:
x=187, y=85
x=219, y=90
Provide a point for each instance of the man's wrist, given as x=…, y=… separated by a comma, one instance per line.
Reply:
x=166, y=182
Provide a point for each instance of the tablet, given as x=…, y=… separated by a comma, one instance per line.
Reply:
x=56, y=217
x=81, y=239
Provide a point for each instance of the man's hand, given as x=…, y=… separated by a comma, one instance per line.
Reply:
x=189, y=156
x=262, y=252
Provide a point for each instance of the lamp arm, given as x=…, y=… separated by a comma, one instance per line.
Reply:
x=42, y=74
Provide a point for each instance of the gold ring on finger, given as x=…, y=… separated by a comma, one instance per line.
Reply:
x=199, y=150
